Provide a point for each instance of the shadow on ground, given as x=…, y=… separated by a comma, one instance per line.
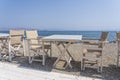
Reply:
x=109, y=73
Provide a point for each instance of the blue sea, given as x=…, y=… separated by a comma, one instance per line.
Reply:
x=88, y=34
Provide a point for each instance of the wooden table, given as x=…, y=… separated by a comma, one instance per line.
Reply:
x=65, y=41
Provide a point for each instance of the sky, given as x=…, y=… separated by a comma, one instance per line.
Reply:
x=60, y=14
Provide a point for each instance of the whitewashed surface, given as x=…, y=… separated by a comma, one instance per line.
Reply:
x=64, y=37
x=14, y=72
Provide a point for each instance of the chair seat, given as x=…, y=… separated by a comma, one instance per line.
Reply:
x=36, y=47
x=40, y=47
x=47, y=46
x=94, y=49
x=91, y=58
x=91, y=43
x=15, y=44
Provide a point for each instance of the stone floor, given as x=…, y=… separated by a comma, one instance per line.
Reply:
x=14, y=72
x=20, y=69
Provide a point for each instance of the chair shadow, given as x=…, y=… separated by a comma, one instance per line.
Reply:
x=109, y=73
x=23, y=62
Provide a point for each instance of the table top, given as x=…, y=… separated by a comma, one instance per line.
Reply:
x=4, y=35
x=63, y=38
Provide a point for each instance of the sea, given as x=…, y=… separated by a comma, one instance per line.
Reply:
x=86, y=34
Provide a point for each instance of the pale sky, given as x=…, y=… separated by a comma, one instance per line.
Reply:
x=60, y=14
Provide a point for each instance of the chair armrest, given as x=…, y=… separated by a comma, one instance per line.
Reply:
x=40, y=36
x=94, y=48
x=114, y=41
x=93, y=42
x=31, y=39
x=35, y=44
x=37, y=39
x=85, y=38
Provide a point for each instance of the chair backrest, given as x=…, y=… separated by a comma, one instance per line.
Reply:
x=32, y=34
x=16, y=36
x=103, y=38
x=118, y=36
x=118, y=39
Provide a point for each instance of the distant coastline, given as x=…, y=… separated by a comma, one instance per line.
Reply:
x=89, y=34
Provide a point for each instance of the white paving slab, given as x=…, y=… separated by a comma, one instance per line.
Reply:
x=14, y=72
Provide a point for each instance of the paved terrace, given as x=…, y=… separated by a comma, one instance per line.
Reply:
x=14, y=72
x=20, y=69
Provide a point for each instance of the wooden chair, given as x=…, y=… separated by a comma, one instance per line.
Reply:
x=36, y=47
x=93, y=55
x=118, y=46
x=16, y=42
x=4, y=45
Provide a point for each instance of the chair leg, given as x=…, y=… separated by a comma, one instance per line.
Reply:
x=24, y=48
x=43, y=61
x=101, y=65
x=82, y=64
x=30, y=59
x=98, y=66
x=10, y=57
x=101, y=68
x=50, y=52
x=117, y=60
x=0, y=56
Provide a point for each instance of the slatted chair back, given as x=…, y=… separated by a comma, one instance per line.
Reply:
x=16, y=42
x=32, y=34
x=16, y=36
x=103, y=38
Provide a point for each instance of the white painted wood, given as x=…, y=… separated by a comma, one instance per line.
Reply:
x=63, y=37
x=15, y=72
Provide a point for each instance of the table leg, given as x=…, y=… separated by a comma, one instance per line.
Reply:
x=62, y=54
x=67, y=51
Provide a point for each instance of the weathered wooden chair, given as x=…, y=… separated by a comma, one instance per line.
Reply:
x=3, y=45
x=93, y=55
x=36, y=47
x=16, y=42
